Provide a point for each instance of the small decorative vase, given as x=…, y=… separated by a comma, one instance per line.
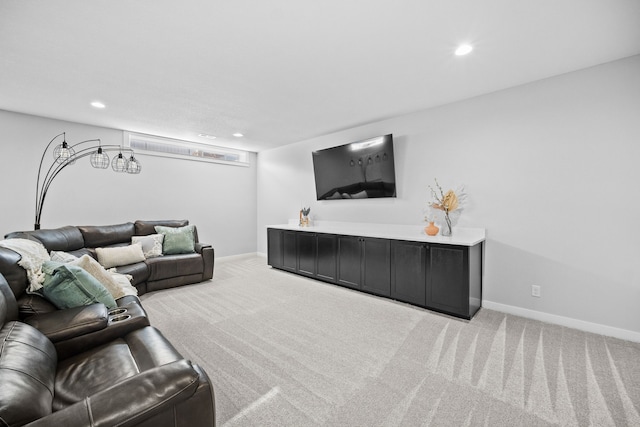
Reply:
x=431, y=229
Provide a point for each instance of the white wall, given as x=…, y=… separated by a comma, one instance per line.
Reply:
x=219, y=199
x=551, y=170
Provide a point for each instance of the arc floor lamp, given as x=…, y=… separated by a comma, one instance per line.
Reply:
x=65, y=155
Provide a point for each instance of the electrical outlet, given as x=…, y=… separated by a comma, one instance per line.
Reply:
x=535, y=291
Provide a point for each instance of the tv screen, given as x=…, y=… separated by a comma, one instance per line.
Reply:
x=359, y=170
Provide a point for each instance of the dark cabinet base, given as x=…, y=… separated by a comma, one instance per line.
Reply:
x=440, y=277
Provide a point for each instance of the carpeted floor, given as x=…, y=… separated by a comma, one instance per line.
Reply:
x=282, y=350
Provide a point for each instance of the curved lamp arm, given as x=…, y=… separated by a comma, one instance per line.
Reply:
x=40, y=169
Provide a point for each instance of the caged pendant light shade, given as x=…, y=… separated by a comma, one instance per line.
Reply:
x=63, y=153
x=99, y=159
x=134, y=165
x=119, y=163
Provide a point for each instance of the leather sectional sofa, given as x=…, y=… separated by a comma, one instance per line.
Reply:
x=94, y=366
x=149, y=275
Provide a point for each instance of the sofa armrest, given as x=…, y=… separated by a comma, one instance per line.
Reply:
x=133, y=317
x=208, y=257
x=131, y=401
x=69, y=323
x=199, y=247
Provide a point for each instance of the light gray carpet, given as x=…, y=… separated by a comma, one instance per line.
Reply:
x=282, y=350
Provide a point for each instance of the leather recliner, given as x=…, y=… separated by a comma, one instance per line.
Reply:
x=131, y=376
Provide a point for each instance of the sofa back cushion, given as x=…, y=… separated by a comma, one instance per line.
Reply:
x=8, y=305
x=96, y=236
x=144, y=228
x=65, y=239
x=27, y=373
x=15, y=275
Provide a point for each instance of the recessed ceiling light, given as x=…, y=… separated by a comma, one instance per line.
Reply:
x=463, y=49
x=204, y=135
x=98, y=104
x=238, y=135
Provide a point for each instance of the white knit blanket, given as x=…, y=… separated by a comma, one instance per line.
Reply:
x=33, y=255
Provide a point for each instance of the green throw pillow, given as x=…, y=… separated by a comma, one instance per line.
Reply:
x=68, y=286
x=177, y=240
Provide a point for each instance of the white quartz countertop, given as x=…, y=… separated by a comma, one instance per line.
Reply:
x=461, y=235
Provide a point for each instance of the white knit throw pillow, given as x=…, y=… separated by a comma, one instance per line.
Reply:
x=120, y=255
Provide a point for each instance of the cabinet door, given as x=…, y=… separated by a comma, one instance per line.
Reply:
x=289, y=249
x=376, y=266
x=274, y=247
x=306, y=253
x=349, y=261
x=409, y=272
x=327, y=261
x=448, y=279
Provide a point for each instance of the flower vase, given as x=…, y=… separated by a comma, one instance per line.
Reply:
x=446, y=228
x=431, y=229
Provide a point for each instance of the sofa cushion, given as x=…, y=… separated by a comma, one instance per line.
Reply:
x=69, y=286
x=151, y=244
x=84, y=251
x=27, y=374
x=120, y=255
x=94, y=370
x=177, y=240
x=139, y=271
x=15, y=275
x=96, y=236
x=87, y=373
x=67, y=238
x=30, y=304
x=8, y=306
x=143, y=228
x=174, y=265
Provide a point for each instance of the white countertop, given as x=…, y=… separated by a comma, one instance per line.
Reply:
x=461, y=235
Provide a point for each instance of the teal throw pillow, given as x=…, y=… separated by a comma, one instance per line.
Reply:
x=177, y=240
x=68, y=286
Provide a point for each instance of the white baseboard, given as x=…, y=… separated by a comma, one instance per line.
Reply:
x=582, y=325
x=236, y=257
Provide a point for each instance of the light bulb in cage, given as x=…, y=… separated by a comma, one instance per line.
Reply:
x=119, y=163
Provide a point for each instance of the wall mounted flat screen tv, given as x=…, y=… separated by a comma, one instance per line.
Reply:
x=359, y=170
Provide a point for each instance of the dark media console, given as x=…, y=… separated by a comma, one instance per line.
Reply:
x=438, y=275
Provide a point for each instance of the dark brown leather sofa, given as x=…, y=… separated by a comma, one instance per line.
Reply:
x=150, y=275
x=130, y=376
x=90, y=366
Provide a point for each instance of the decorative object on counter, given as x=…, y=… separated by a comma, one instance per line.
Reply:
x=65, y=155
x=431, y=229
x=450, y=204
x=430, y=217
x=304, y=217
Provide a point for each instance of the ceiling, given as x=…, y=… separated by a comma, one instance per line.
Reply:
x=282, y=71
